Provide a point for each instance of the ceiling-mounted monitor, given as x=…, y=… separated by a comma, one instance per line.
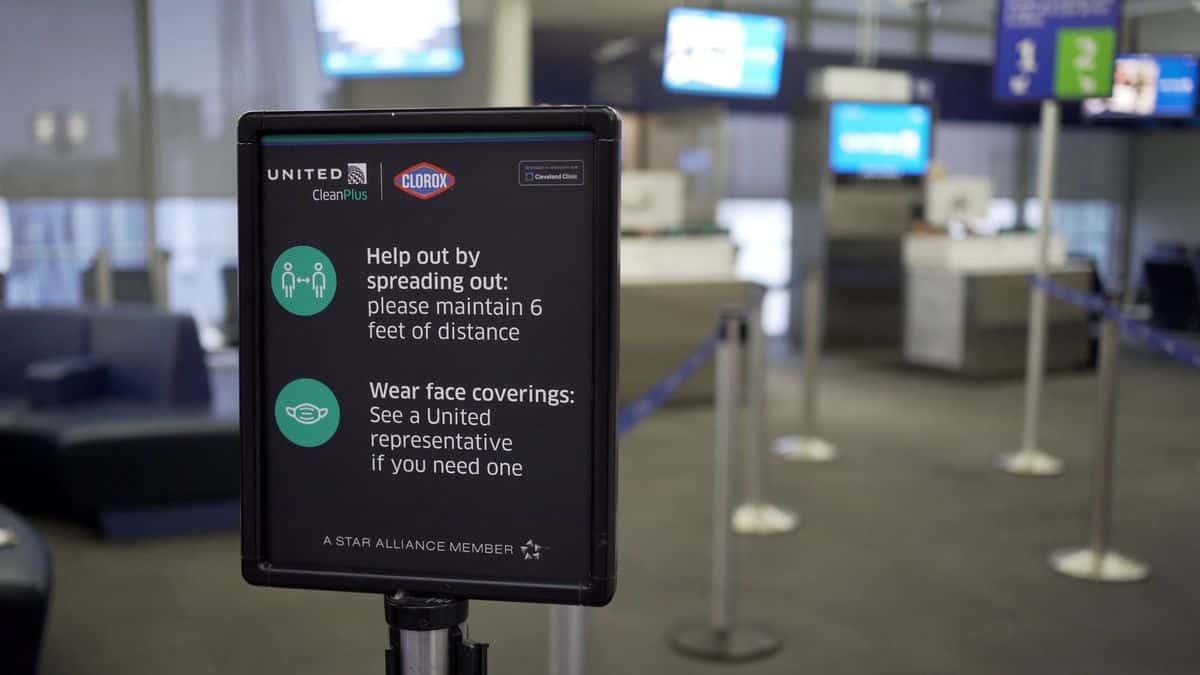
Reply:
x=883, y=141
x=1149, y=85
x=723, y=53
x=389, y=38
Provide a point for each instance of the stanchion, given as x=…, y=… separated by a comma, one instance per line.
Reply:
x=428, y=636
x=721, y=638
x=756, y=515
x=1031, y=460
x=568, y=639
x=808, y=446
x=1097, y=561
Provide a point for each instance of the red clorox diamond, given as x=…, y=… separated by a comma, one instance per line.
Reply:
x=424, y=180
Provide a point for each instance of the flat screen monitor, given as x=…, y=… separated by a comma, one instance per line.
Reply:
x=957, y=198
x=1149, y=85
x=389, y=38
x=723, y=53
x=879, y=140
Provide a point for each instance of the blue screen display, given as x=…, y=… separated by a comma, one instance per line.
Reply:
x=1149, y=85
x=723, y=53
x=879, y=140
x=382, y=38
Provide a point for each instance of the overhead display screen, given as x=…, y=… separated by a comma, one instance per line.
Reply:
x=389, y=38
x=1149, y=85
x=429, y=351
x=879, y=140
x=723, y=53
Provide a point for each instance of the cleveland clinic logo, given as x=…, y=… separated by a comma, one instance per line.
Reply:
x=424, y=180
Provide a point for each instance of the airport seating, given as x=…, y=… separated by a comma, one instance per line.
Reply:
x=1174, y=293
x=1196, y=264
x=30, y=337
x=110, y=411
x=130, y=286
x=25, y=581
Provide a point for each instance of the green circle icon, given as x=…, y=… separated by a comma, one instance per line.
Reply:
x=303, y=280
x=307, y=412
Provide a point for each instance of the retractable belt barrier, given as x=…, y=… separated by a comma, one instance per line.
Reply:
x=653, y=398
x=569, y=623
x=1098, y=561
x=1178, y=350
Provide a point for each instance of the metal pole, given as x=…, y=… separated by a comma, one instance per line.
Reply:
x=425, y=652
x=568, y=639
x=814, y=319
x=756, y=401
x=756, y=515
x=1030, y=460
x=808, y=446
x=868, y=32
x=148, y=151
x=729, y=355
x=427, y=636
x=103, y=271
x=510, y=78
x=1102, y=478
x=720, y=638
x=1097, y=561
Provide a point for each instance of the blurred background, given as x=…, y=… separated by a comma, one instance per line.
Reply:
x=752, y=163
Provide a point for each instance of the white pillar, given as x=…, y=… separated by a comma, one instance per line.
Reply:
x=511, y=63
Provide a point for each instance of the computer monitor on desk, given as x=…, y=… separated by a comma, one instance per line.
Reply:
x=958, y=200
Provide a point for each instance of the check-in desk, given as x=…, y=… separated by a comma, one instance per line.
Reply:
x=673, y=289
x=967, y=306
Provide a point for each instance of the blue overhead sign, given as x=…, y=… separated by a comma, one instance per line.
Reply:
x=1055, y=49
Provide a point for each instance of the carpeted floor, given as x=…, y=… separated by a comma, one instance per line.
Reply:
x=914, y=555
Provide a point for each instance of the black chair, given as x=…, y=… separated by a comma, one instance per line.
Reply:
x=131, y=286
x=31, y=336
x=25, y=581
x=110, y=411
x=1174, y=293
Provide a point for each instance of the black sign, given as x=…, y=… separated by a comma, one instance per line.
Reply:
x=428, y=351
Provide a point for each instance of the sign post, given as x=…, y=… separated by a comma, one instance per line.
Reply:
x=429, y=351
x=1048, y=51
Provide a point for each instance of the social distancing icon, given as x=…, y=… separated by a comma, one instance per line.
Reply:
x=303, y=280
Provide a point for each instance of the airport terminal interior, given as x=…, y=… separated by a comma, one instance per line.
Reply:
x=812, y=336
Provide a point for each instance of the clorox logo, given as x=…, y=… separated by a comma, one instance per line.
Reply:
x=424, y=180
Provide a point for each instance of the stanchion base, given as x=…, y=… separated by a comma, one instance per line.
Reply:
x=1030, y=463
x=739, y=643
x=1108, y=567
x=763, y=519
x=806, y=449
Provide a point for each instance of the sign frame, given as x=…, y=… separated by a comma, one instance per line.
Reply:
x=598, y=586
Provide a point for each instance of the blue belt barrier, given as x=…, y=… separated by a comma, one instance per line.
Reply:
x=643, y=406
x=1178, y=350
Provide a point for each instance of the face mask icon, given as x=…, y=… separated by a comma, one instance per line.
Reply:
x=306, y=413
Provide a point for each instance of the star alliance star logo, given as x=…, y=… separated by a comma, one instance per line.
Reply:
x=532, y=551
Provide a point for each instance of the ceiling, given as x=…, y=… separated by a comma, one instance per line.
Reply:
x=647, y=15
